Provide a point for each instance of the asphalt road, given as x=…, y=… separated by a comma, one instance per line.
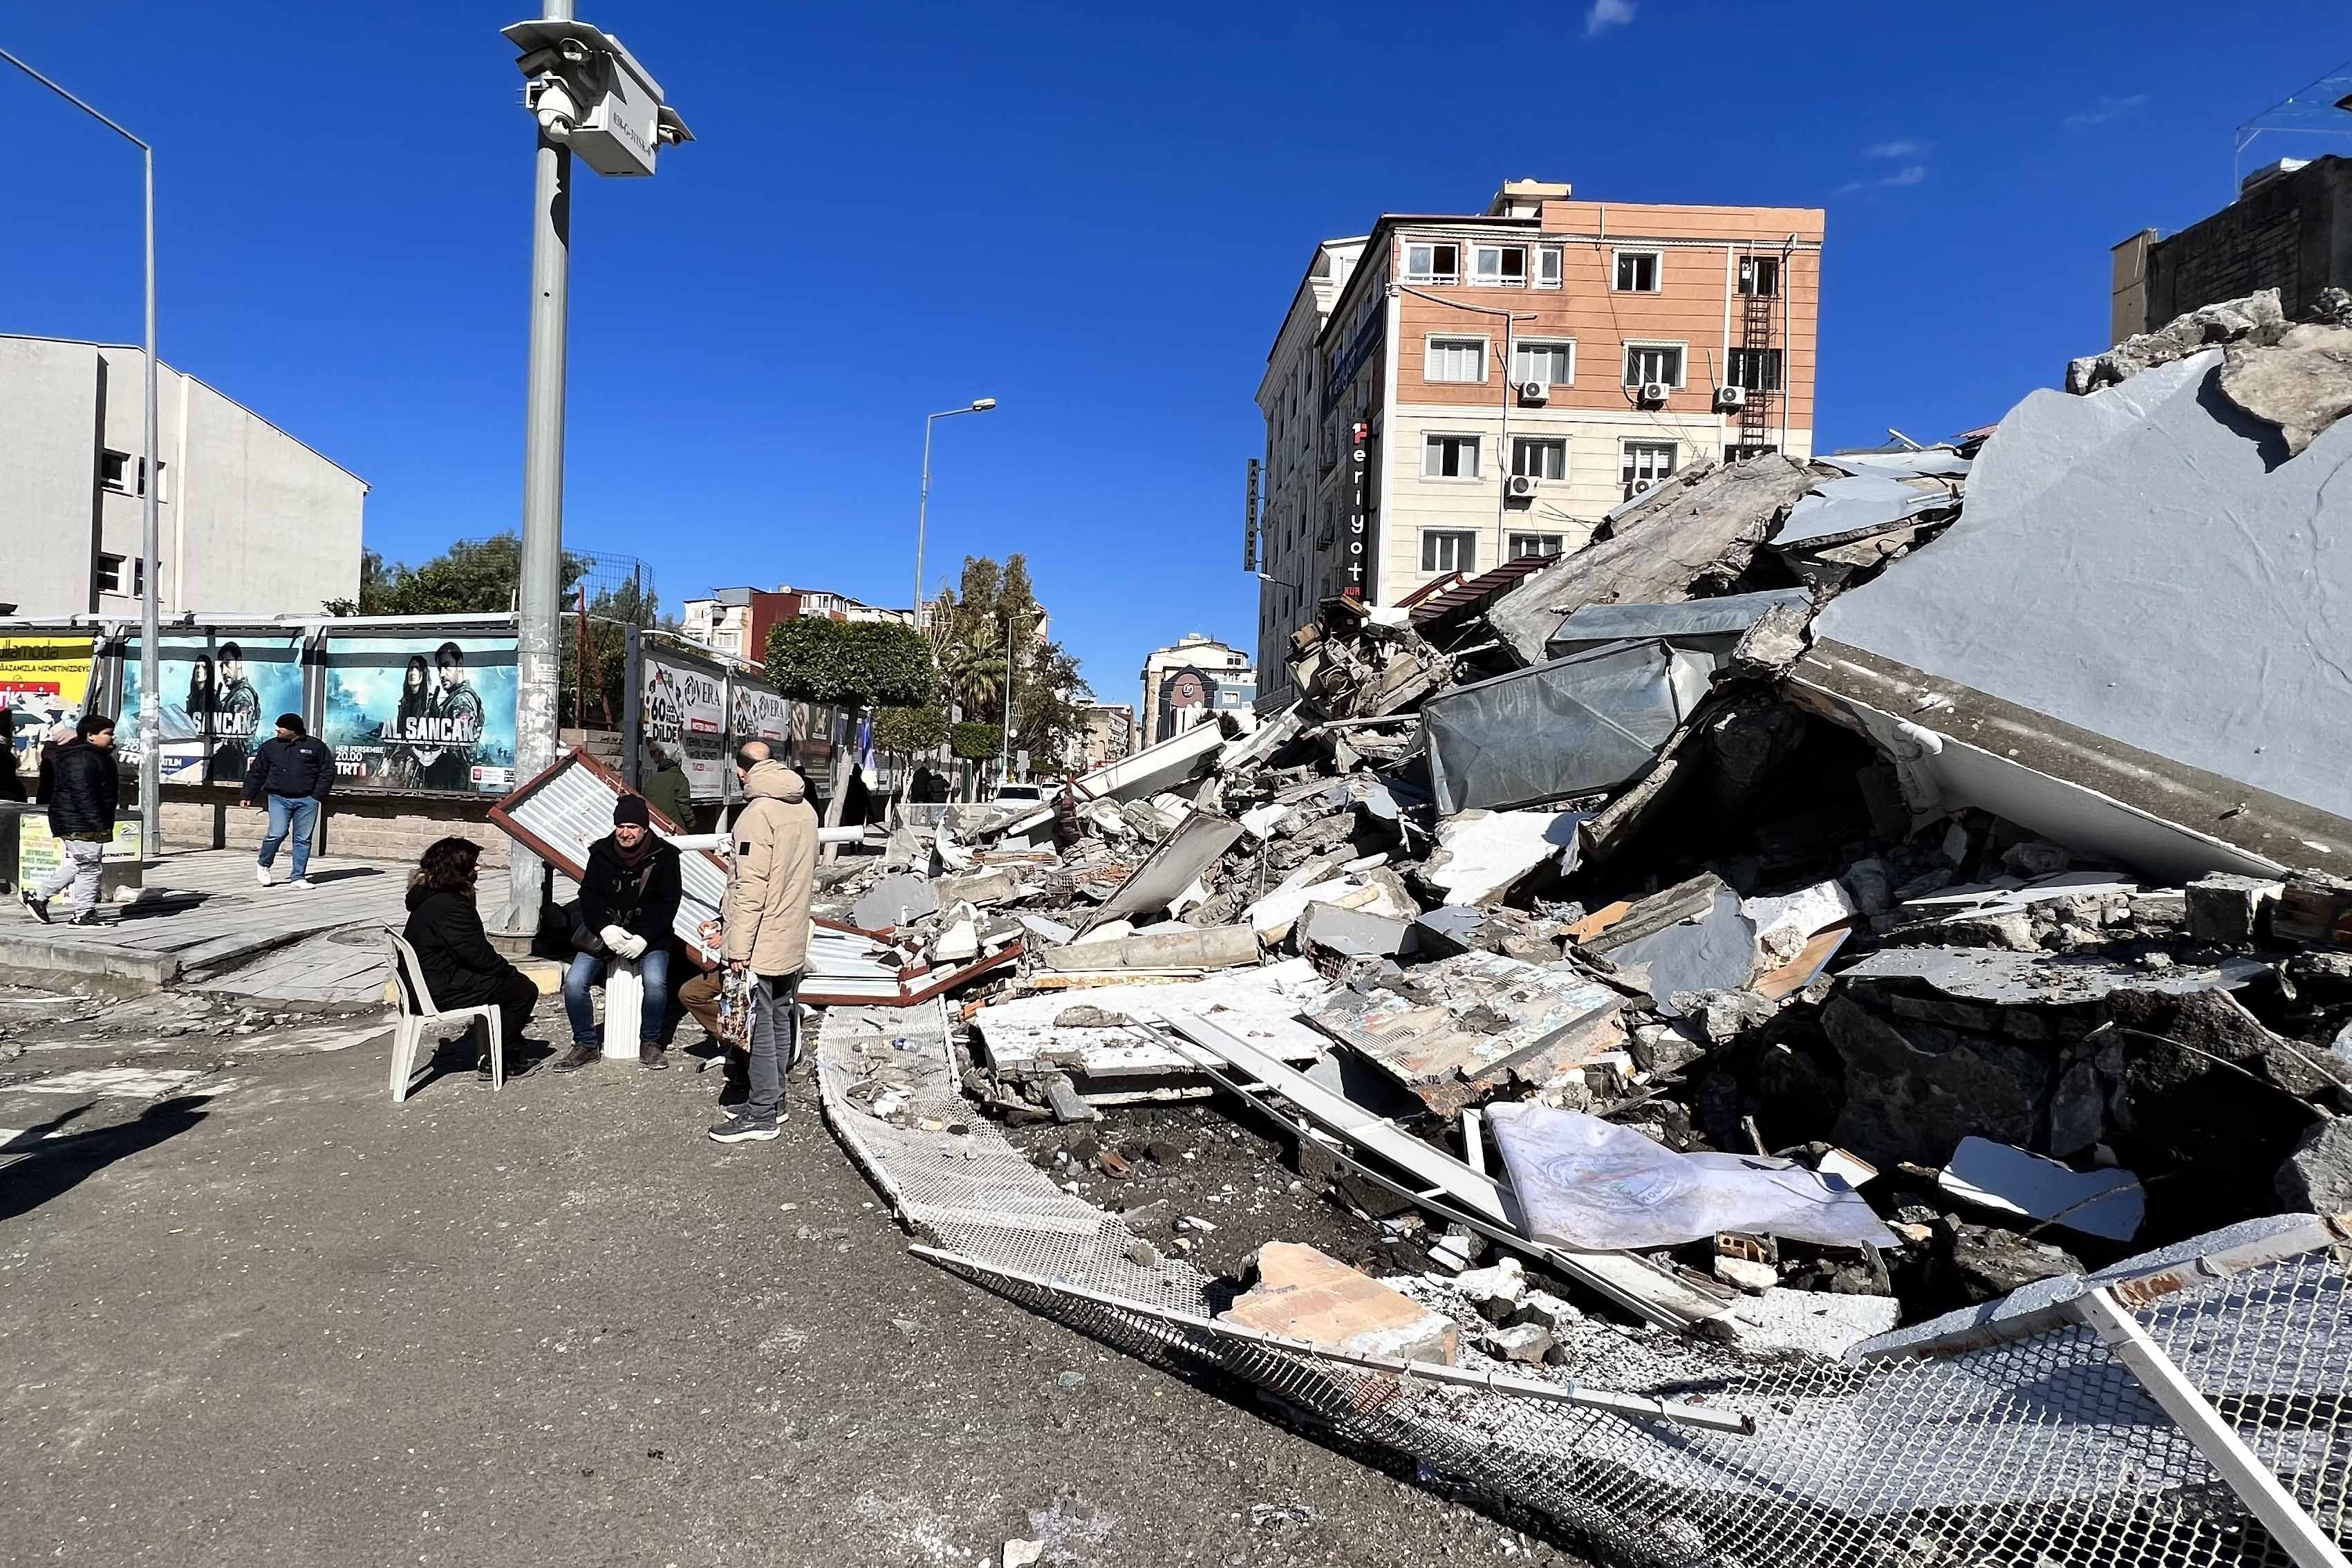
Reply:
x=252, y=1312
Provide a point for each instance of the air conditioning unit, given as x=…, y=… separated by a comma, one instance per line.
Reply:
x=1639, y=487
x=1520, y=485
x=1534, y=391
x=1732, y=397
x=1654, y=392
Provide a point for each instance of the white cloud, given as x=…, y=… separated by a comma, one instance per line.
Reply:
x=2108, y=109
x=1891, y=149
x=1909, y=174
x=1607, y=14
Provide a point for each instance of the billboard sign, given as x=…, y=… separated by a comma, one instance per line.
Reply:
x=222, y=692
x=421, y=712
x=44, y=681
x=686, y=715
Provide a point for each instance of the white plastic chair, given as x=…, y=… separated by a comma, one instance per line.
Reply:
x=418, y=1015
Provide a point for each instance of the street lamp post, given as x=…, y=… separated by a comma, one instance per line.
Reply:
x=590, y=95
x=1005, y=768
x=151, y=677
x=923, y=509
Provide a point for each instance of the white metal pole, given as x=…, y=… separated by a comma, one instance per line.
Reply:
x=151, y=763
x=151, y=660
x=1005, y=768
x=539, y=648
x=922, y=520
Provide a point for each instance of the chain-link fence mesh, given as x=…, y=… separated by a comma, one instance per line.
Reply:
x=2043, y=1451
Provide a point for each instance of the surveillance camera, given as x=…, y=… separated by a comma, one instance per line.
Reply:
x=574, y=51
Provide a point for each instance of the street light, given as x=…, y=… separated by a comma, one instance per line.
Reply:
x=923, y=509
x=589, y=95
x=151, y=674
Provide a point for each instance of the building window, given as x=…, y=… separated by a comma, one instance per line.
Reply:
x=1540, y=457
x=1759, y=276
x=1737, y=454
x=1637, y=272
x=1654, y=362
x=163, y=479
x=1432, y=263
x=1646, y=463
x=1525, y=545
x=1548, y=268
x=1500, y=266
x=1758, y=370
x=1547, y=364
x=114, y=470
x=1450, y=457
x=110, y=573
x=1449, y=550
x=1455, y=359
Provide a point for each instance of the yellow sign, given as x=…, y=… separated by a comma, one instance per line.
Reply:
x=44, y=681
x=38, y=856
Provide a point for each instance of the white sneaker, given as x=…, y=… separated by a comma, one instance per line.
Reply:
x=261, y=874
x=299, y=882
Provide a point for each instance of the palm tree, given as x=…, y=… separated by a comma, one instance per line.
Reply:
x=974, y=665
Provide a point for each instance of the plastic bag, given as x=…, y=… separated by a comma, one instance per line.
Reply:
x=1584, y=1183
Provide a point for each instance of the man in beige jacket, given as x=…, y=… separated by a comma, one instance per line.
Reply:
x=767, y=928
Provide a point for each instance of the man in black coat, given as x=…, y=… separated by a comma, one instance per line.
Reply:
x=82, y=787
x=292, y=773
x=628, y=900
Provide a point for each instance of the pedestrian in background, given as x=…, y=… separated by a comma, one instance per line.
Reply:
x=12, y=783
x=292, y=774
x=628, y=899
x=667, y=789
x=82, y=787
x=44, y=776
x=767, y=928
x=461, y=968
x=1067, y=829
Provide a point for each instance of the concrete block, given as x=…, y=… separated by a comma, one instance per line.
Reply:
x=1525, y=1343
x=1303, y=1294
x=2228, y=909
x=1351, y=933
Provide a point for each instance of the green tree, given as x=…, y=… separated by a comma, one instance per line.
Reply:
x=908, y=732
x=975, y=741
x=853, y=665
x=476, y=578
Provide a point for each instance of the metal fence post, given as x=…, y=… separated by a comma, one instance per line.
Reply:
x=632, y=708
x=2214, y=1437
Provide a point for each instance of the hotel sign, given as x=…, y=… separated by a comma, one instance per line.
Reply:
x=1359, y=483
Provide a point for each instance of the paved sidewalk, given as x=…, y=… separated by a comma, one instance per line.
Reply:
x=258, y=1315
x=203, y=918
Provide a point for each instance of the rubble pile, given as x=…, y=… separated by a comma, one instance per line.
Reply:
x=1763, y=910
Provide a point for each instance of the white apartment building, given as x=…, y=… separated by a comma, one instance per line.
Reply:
x=250, y=520
x=1192, y=679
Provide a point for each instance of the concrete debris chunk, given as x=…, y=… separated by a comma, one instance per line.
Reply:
x=893, y=901
x=2228, y=909
x=2258, y=315
x=1528, y=1343
x=1193, y=948
x=1483, y=855
x=2302, y=384
x=1301, y=1293
x=2317, y=1177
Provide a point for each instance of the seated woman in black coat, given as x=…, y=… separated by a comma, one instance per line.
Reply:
x=461, y=968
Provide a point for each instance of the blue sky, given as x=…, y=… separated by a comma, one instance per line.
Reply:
x=1095, y=214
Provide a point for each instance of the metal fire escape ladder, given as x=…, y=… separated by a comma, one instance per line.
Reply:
x=1755, y=337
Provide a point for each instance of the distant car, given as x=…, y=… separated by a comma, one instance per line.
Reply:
x=1019, y=794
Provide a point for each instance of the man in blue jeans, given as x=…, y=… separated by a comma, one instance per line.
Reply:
x=292, y=774
x=629, y=896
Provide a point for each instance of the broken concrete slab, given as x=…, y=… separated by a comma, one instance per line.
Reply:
x=1193, y=947
x=1526, y=1344
x=1786, y=923
x=2317, y=1177
x=2109, y=1203
x=1697, y=531
x=1019, y=1035
x=2017, y=650
x=1819, y=1323
x=1302, y=1294
x=2016, y=979
x=1197, y=842
x=893, y=901
x=1838, y=511
x=1572, y=726
x=1913, y=1091
x=1711, y=947
x=1464, y=1025
x=1482, y=855
x=2257, y=315
x=1345, y=933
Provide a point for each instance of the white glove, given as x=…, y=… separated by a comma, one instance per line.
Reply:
x=617, y=939
x=636, y=947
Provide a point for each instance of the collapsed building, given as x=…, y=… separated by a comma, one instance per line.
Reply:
x=1779, y=975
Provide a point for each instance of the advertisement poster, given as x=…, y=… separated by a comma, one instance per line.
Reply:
x=686, y=715
x=423, y=711
x=44, y=679
x=40, y=855
x=762, y=715
x=222, y=694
